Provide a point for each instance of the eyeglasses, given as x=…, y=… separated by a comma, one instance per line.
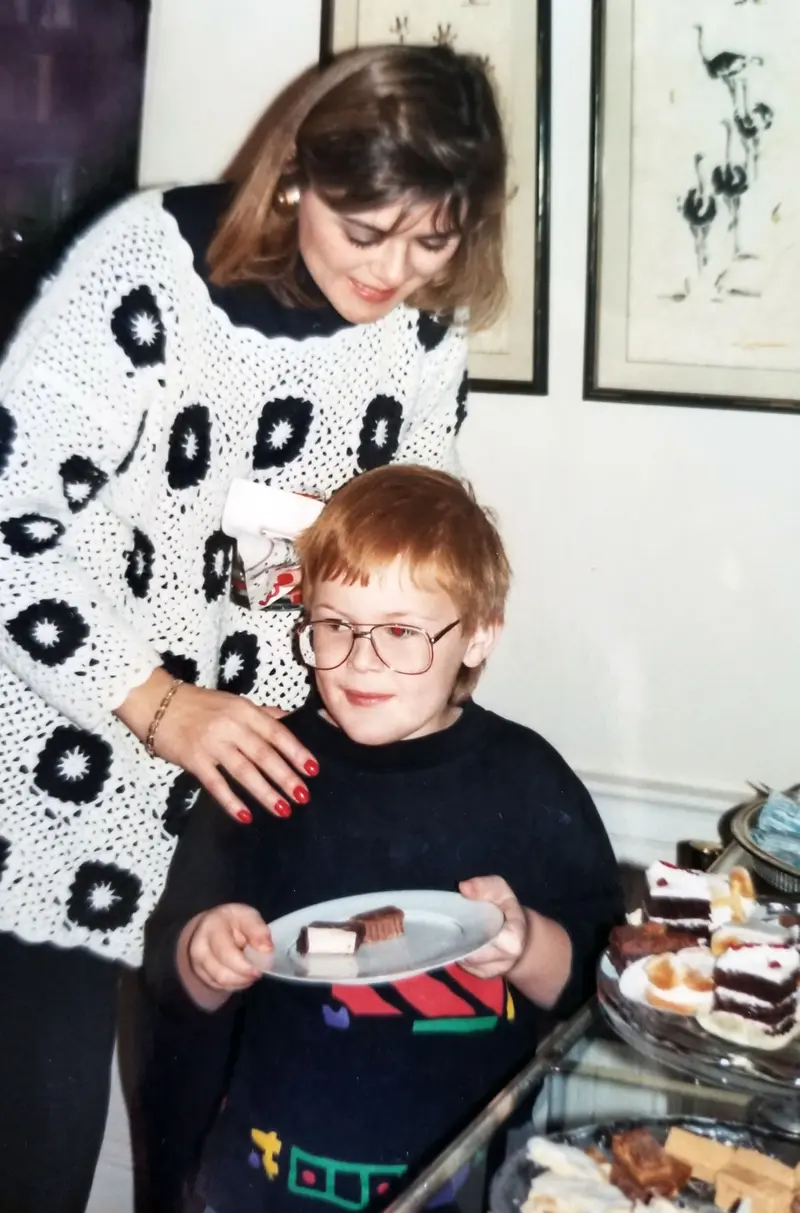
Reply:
x=326, y=644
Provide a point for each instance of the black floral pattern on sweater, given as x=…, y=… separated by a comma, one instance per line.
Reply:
x=31, y=534
x=380, y=433
x=8, y=431
x=189, y=455
x=82, y=481
x=139, y=564
x=181, y=799
x=49, y=631
x=282, y=432
x=73, y=766
x=217, y=563
x=138, y=328
x=238, y=663
x=103, y=896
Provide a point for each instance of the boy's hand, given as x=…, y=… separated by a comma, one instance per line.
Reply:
x=215, y=946
x=499, y=957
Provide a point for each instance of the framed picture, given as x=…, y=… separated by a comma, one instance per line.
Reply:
x=694, y=230
x=71, y=86
x=514, y=38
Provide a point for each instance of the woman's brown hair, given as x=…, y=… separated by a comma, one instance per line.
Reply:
x=373, y=127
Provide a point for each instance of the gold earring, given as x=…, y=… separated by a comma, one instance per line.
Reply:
x=289, y=197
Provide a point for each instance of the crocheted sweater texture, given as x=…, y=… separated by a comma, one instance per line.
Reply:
x=133, y=393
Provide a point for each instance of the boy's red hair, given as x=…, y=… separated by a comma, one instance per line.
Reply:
x=429, y=519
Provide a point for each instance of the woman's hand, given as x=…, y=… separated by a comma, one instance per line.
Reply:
x=210, y=952
x=499, y=957
x=204, y=730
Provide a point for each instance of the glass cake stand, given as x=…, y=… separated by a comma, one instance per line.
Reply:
x=678, y=1043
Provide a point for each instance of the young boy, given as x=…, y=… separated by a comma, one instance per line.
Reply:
x=340, y=1093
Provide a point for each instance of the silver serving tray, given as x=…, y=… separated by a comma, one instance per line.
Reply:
x=777, y=872
x=512, y=1182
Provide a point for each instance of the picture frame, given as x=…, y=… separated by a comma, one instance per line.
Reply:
x=512, y=356
x=694, y=213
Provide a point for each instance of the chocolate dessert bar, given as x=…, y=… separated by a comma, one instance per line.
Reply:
x=758, y=983
x=641, y=1163
x=629, y=943
x=331, y=938
x=387, y=922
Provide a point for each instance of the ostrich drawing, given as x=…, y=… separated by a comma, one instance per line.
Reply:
x=729, y=182
x=751, y=124
x=727, y=65
x=699, y=209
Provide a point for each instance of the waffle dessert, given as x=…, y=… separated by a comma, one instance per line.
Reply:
x=738, y=1183
x=705, y=1156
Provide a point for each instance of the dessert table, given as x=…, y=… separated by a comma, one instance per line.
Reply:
x=583, y=1073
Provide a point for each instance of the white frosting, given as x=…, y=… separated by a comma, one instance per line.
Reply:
x=562, y=1160
x=682, y=883
x=744, y=1032
x=775, y=963
x=751, y=932
x=686, y=924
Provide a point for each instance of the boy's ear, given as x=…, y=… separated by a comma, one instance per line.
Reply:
x=483, y=640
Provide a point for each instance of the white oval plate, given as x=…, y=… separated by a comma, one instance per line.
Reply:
x=440, y=929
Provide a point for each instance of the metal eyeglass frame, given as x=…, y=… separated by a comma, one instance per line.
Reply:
x=365, y=633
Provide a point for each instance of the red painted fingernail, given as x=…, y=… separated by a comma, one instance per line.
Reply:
x=282, y=808
x=301, y=795
x=245, y=816
x=311, y=767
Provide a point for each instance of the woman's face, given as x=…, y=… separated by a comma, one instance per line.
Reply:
x=362, y=264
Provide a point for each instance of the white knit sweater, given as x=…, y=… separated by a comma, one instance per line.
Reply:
x=132, y=395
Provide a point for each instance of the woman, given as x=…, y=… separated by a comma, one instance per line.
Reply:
x=291, y=326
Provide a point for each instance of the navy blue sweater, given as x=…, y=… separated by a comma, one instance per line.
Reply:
x=340, y=1094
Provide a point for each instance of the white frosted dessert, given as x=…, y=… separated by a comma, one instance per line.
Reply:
x=688, y=900
x=758, y=983
x=679, y=983
x=330, y=939
x=562, y=1159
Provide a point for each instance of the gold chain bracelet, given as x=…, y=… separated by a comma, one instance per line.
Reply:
x=149, y=744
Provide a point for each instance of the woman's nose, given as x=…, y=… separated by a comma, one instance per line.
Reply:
x=391, y=264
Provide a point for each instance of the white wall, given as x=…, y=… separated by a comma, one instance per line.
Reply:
x=654, y=630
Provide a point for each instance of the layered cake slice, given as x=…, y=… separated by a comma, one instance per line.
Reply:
x=679, y=898
x=758, y=983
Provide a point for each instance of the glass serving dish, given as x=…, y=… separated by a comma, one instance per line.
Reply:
x=512, y=1182
x=679, y=1042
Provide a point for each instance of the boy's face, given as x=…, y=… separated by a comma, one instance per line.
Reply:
x=371, y=703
